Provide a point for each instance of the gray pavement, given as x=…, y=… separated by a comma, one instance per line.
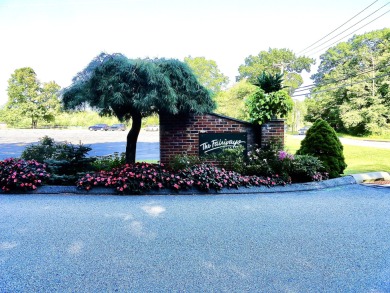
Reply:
x=328, y=240
x=14, y=141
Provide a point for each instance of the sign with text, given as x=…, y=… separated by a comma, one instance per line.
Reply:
x=213, y=143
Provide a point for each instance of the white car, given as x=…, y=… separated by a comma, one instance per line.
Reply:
x=151, y=128
x=303, y=130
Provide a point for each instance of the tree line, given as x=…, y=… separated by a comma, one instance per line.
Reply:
x=350, y=89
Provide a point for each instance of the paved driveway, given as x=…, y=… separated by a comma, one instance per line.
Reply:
x=14, y=141
x=331, y=240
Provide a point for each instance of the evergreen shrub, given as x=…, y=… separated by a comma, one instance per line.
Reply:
x=65, y=162
x=322, y=142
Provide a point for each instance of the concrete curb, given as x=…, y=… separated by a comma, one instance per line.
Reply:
x=342, y=181
x=370, y=177
x=309, y=186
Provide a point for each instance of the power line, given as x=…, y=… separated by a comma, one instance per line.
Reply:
x=345, y=85
x=309, y=87
x=350, y=27
x=349, y=33
x=338, y=27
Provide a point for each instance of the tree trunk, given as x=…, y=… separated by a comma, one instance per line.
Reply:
x=132, y=138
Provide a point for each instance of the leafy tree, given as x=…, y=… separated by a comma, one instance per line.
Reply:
x=131, y=89
x=231, y=102
x=276, y=61
x=322, y=142
x=352, y=85
x=207, y=73
x=27, y=97
x=296, y=117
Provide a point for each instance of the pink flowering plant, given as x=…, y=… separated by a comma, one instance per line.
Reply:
x=140, y=178
x=21, y=175
x=272, y=160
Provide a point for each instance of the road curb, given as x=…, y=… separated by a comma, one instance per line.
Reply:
x=342, y=181
x=296, y=187
x=370, y=177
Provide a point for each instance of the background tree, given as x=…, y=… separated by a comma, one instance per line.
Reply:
x=352, y=85
x=295, y=119
x=207, y=73
x=28, y=98
x=276, y=61
x=231, y=102
x=132, y=89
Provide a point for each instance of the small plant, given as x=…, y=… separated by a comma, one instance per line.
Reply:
x=322, y=142
x=230, y=159
x=306, y=168
x=269, y=83
x=21, y=175
x=40, y=152
x=270, y=100
x=106, y=163
x=179, y=162
x=68, y=162
x=262, y=107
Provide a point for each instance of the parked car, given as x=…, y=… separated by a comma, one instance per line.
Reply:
x=151, y=128
x=303, y=130
x=117, y=127
x=102, y=127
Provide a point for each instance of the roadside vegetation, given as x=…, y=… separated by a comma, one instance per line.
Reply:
x=124, y=90
x=359, y=159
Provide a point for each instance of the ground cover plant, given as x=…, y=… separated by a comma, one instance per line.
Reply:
x=140, y=178
x=21, y=175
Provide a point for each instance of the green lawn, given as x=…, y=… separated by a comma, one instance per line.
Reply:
x=359, y=159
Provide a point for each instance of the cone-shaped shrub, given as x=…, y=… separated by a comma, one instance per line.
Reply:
x=322, y=142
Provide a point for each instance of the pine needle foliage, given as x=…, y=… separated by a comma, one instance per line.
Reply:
x=115, y=85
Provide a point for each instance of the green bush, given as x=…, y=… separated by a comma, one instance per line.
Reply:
x=65, y=162
x=272, y=160
x=106, y=163
x=180, y=162
x=322, y=142
x=230, y=159
x=306, y=168
x=40, y=152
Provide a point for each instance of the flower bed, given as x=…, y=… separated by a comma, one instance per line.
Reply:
x=21, y=175
x=142, y=177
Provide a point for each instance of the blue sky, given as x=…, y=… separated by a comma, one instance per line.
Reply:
x=58, y=38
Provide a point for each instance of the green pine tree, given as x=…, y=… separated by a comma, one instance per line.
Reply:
x=322, y=142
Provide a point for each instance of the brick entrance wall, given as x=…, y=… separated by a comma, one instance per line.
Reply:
x=180, y=134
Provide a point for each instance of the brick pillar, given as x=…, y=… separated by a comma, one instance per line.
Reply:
x=177, y=137
x=272, y=131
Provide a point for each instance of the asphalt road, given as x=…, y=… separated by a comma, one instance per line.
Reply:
x=330, y=240
x=13, y=142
